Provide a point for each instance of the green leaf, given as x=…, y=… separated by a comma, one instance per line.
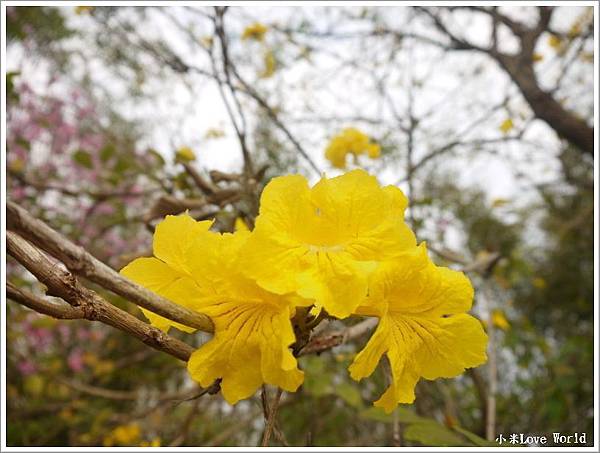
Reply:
x=349, y=393
x=317, y=380
x=107, y=152
x=479, y=441
x=83, y=158
x=404, y=415
x=433, y=434
x=159, y=159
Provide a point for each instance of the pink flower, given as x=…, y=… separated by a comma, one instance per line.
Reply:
x=75, y=361
x=64, y=332
x=26, y=367
x=105, y=209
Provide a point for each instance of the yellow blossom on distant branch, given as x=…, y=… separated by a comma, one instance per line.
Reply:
x=554, y=41
x=123, y=435
x=83, y=9
x=539, y=283
x=255, y=31
x=269, y=65
x=506, y=126
x=537, y=57
x=185, y=154
x=499, y=320
x=350, y=141
x=214, y=133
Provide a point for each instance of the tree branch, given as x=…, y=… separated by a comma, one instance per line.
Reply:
x=82, y=263
x=41, y=305
x=330, y=340
x=65, y=285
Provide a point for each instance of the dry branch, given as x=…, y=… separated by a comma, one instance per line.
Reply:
x=41, y=305
x=80, y=262
x=329, y=340
x=65, y=285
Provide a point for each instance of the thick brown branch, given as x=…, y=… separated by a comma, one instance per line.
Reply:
x=519, y=67
x=42, y=305
x=545, y=107
x=80, y=262
x=65, y=285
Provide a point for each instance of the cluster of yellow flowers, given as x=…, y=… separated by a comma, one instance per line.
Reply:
x=350, y=141
x=255, y=31
x=341, y=246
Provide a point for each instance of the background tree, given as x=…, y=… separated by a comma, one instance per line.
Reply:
x=117, y=116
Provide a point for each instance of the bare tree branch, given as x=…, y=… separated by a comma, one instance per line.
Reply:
x=80, y=262
x=63, y=284
x=42, y=305
x=519, y=67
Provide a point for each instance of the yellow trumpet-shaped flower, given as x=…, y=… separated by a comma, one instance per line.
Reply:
x=350, y=141
x=323, y=242
x=423, y=328
x=253, y=330
x=169, y=272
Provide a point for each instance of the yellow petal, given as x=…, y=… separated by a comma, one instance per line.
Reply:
x=328, y=239
x=499, y=320
x=250, y=348
x=449, y=345
x=412, y=284
x=337, y=282
x=157, y=276
x=423, y=329
x=173, y=238
x=507, y=125
x=240, y=225
x=277, y=239
x=185, y=154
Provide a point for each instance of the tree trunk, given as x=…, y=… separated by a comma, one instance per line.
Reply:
x=548, y=109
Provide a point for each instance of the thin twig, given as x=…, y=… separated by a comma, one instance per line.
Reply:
x=270, y=422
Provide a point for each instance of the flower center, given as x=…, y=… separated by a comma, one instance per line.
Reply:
x=325, y=248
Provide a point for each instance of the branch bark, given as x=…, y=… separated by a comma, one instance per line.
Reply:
x=65, y=285
x=80, y=262
x=327, y=341
x=519, y=67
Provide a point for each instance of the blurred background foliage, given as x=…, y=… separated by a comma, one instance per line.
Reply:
x=82, y=157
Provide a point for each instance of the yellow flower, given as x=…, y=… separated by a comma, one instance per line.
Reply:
x=423, y=328
x=506, y=126
x=185, y=154
x=169, y=272
x=537, y=57
x=554, y=41
x=214, y=132
x=201, y=270
x=240, y=225
x=83, y=9
x=323, y=242
x=255, y=31
x=154, y=443
x=350, y=141
x=539, y=283
x=124, y=435
x=499, y=320
x=270, y=65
